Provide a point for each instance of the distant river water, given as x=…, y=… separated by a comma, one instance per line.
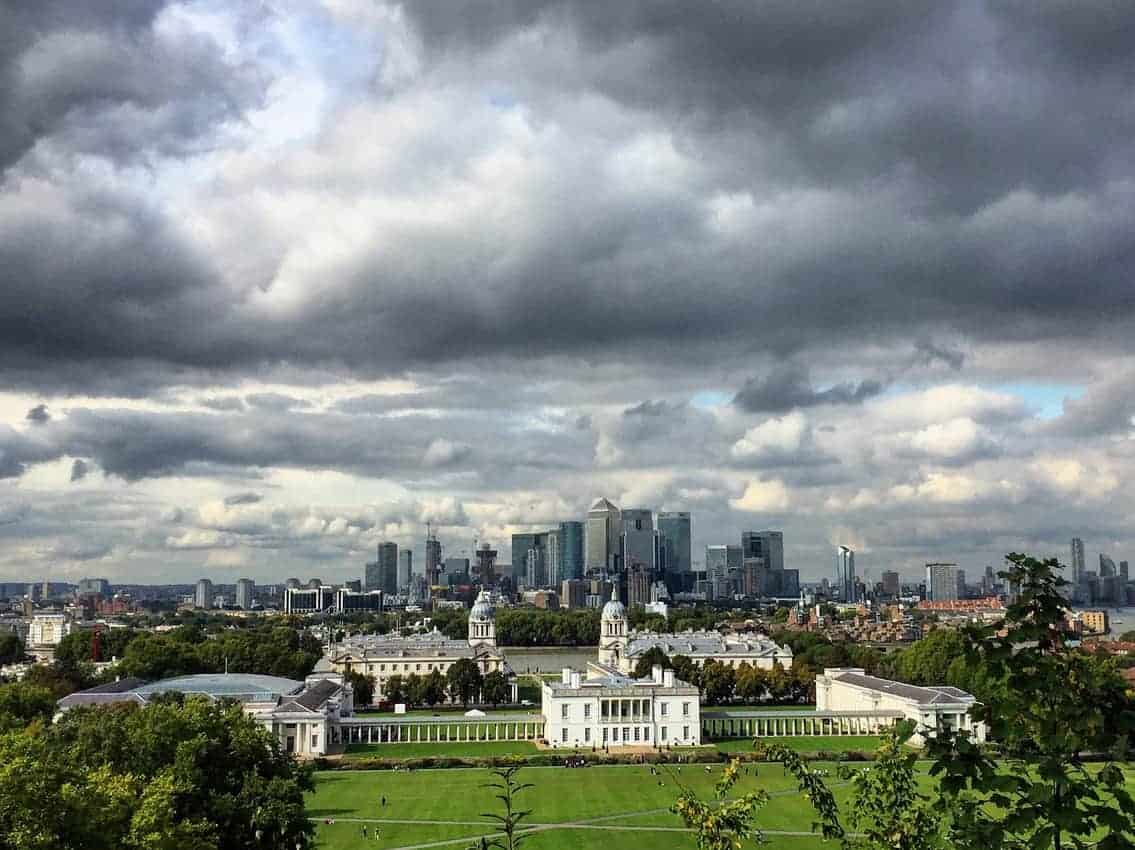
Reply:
x=549, y=659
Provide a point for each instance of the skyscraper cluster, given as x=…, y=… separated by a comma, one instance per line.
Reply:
x=754, y=568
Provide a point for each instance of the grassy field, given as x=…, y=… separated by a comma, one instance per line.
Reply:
x=593, y=807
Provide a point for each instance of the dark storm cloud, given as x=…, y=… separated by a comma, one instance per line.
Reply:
x=928, y=351
x=789, y=386
x=926, y=176
x=38, y=414
x=101, y=79
x=79, y=470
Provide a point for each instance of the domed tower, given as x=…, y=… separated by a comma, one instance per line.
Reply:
x=482, y=629
x=613, y=631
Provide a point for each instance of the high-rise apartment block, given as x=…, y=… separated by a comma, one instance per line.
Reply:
x=203, y=597
x=244, y=591
x=942, y=582
x=891, y=585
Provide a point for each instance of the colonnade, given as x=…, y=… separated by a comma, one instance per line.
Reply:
x=788, y=724
x=363, y=731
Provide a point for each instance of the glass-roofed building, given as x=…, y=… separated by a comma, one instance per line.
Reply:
x=302, y=716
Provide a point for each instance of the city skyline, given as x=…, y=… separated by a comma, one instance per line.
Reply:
x=280, y=282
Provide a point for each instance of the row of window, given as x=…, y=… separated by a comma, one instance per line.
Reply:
x=615, y=709
x=411, y=668
x=630, y=734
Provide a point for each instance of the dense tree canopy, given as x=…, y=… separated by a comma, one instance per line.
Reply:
x=11, y=648
x=463, y=681
x=269, y=650
x=175, y=775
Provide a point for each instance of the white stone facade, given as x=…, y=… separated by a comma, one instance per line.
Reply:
x=851, y=689
x=611, y=710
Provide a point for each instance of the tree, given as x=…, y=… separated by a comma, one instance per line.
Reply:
x=463, y=680
x=1128, y=637
x=415, y=689
x=1056, y=705
x=496, y=688
x=750, y=683
x=723, y=822
x=395, y=690
x=183, y=774
x=717, y=682
x=433, y=688
x=927, y=661
x=507, y=789
x=363, y=687
x=778, y=682
x=686, y=670
x=11, y=648
x=646, y=662
x=21, y=703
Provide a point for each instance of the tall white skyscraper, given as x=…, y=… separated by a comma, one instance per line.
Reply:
x=204, y=595
x=244, y=589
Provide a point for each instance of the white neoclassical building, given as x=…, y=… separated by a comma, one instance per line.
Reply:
x=848, y=689
x=304, y=717
x=620, y=648
x=383, y=656
x=608, y=708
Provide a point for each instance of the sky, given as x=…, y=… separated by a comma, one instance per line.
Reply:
x=282, y=280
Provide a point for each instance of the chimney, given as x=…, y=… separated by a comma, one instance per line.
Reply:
x=668, y=679
x=656, y=674
x=565, y=676
x=575, y=679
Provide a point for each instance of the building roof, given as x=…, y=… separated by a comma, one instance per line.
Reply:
x=313, y=698
x=706, y=643
x=614, y=609
x=245, y=687
x=605, y=676
x=603, y=505
x=482, y=608
x=111, y=692
x=932, y=695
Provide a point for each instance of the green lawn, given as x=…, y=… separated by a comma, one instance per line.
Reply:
x=621, y=796
x=806, y=743
x=441, y=748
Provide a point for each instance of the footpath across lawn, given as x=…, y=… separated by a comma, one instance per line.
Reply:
x=591, y=807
